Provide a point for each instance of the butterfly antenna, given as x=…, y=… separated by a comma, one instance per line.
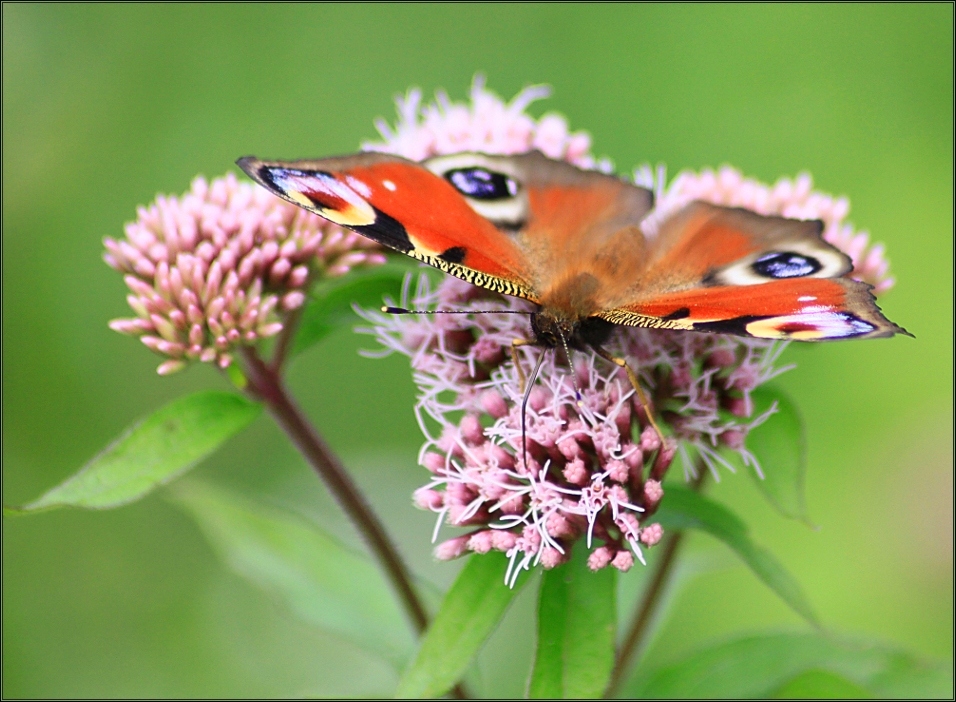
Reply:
x=574, y=377
x=524, y=408
x=387, y=309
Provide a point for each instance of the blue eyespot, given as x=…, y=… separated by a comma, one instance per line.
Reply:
x=785, y=265
x=482, y=184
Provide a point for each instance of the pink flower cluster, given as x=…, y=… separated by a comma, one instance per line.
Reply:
x=221, y=265
x=578, y=470
x=486, y=125
x=594, y=468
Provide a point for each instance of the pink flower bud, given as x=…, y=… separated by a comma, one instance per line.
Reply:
x=653, y=492
x=434, y=462
x=559, y=527
x=576, y=472
x=129, y=326
x=169, y=367
x=481, y=542
x=552, y=557
x=599, y=558
x=570, y=448
x=623, y=561
x=737, y=406
x=734, y=438
x=503, y=540
x=471, y=430
x=494, y=404
x=664, y=459
x=280, y=269
x=451, y=549
x=618, y=470
x=721, y=358
x=298, y=276
x=293, y=300
x=650, y=440
x=650, y=535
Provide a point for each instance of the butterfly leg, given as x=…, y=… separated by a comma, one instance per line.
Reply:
x=632, y=376
x=522, y=378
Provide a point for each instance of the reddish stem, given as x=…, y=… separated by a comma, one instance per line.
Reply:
x=284, y=342
x=265, y=384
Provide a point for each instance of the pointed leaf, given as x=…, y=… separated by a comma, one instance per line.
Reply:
x=576, y=629
x=685, y=509
x=330, y=303
x=152, y=452
x=320, y=581
x=470, y=612
x=781, y=664
x=780, y=447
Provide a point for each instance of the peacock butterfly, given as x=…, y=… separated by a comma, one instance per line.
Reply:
x=570, y=241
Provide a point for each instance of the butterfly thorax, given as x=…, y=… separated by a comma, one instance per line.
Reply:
x=556, y=331
x=567, y=313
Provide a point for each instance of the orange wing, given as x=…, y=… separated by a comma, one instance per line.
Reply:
x=732, y=271
x=406, y=207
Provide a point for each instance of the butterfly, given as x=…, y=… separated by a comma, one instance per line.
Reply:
x=570, y=241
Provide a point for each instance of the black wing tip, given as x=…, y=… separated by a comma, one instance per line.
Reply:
x=259, y=171
x=249, y=165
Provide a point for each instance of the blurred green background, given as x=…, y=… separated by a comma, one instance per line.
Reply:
x=104, y=106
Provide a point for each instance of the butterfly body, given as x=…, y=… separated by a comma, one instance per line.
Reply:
x=571, y=242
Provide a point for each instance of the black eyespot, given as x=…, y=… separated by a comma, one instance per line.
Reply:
x=482, y=184
x=786, y=265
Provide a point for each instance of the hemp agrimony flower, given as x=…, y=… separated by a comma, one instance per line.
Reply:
x=584, y=464
x=220, y=266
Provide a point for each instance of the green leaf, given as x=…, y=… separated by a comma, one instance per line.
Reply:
x=685, y=509
x=780, y=447
x=576, y=629
x=784, y=664
x=330, y=303
x=152, y=452
x=821, y=685
x=319, y=580
x=470, y=612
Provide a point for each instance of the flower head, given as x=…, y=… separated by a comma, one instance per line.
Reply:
x=220, y=267
x=588, y=468
x=487, y=125
x=581, y=463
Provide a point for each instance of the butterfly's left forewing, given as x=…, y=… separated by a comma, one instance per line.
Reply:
x=405, y=207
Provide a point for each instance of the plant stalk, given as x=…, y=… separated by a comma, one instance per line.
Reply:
x=265, y=384
x=284, y=342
